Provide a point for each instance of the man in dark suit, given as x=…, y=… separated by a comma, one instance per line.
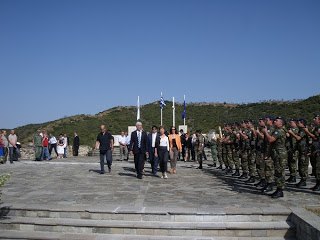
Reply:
x=76, y=143
x=151, y=146
x=138, y=148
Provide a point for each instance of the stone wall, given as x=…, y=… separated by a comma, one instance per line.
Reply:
x=27, y=153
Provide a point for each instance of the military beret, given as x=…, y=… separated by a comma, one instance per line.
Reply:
x=236, y=123
x=245, y=121
x=303, y=121
x=230, y=124
x=270, y=117
x=198, y=131
x=262, y=119
x=250, y=120
x=293, y=120
x=317, y=116
x=281, y=118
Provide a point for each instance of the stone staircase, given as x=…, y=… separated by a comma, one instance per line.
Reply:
x=122, y=223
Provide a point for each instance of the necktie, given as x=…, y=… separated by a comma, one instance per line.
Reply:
x=139, y=139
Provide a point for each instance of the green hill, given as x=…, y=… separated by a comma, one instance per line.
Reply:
x=204, y=116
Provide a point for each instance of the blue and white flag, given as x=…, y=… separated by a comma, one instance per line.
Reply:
x=162, y=103
x=184, y=110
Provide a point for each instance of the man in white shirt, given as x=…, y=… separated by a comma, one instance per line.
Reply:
x=65, y=145
x=123, y=146
x=151, y=146
x=128, y=144
x=13, y=139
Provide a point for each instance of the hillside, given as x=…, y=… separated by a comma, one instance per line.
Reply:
x=202, y=116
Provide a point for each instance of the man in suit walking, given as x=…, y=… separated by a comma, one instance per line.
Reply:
x=138, y=148
x=76, y=143
x=151, y=146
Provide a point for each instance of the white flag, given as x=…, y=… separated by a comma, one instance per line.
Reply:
x=138, y=109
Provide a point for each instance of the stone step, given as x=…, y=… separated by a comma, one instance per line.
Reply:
x=151, y=228
x=149, y=216
x=80, y=236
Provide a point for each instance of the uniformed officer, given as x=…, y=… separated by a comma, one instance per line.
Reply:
x=315, y=149
x=235, y=139
x=227, y=142
x=244, y=132
x=252, y=151
x=199, y=147
x=261, y=153
x=219, y=149
x=268, y=159
x=37, y=145
x=292, y=150
x=278, y=138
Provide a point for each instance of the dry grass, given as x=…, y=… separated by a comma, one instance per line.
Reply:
x=315, y=210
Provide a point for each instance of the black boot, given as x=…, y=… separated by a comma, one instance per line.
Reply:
x=262, y=183
x=267, y=188
x=277, y=194
x=291, y=179
x=214, y=165
x=244, y=176
x=302, y=183
x=220, y=167
x=317, y=186
x=251, y=180
x=200, y=166
x=237, y=173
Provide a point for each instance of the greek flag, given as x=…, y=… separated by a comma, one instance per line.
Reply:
x=184, y=110
x=162, y=103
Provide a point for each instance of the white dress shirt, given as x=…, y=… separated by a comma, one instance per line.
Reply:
x=154, y=136
x=122, y=140
x=164, y=142
x=53, y=140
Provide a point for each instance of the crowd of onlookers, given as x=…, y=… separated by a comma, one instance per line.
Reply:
x=9, y=146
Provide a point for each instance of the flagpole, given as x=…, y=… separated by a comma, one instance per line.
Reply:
x=138, y=109
x=173, y=113
x=184, y=119
x=161, y=111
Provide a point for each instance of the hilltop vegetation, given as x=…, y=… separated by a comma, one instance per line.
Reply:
x=204, y=116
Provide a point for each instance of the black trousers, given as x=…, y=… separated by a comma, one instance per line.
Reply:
x=54, y=146
x=183, y=152
x=139, y=162
x=163, y=159
x=75, y=150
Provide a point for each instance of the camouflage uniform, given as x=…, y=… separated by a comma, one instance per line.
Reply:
x=224, y=155
x=303, y=159
x=235, y=149
x=261, y=149
x=292, y=152
x=269, y=166
x=219, y=148
x=315, y=152
x=228, y=144
x=280, y=157
x=252, y=153
x=213, y=148
x=199, y=148
x=38, y=146
x=245, y=151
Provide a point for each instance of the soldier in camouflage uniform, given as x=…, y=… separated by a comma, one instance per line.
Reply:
x=244, y=132
x=227, y=142
x=213, y=147
x=199, y=147
x=315, y=149
x=268, y=159
x=278, y=138
x=302, y=148
x=292, y=150
x=224, y=149
x=235, y=139
x=37, y=145
x=252, y=152
x=261, y=153
x=219, y=149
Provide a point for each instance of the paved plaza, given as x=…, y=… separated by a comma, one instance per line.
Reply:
x=76, y=181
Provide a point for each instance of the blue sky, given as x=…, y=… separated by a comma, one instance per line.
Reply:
x=69, y=57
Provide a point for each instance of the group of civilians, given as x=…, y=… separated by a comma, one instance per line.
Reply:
x=9, y=146
x=44, y=144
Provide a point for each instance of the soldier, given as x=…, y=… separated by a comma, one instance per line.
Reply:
x=244, y=150
x=199, y=147
x=235, y=139
x=213, y=148
x=261, y=150
x=37, y=145
x=219, y=148
x=315, y=149
x=302, y=148
x=252, y=151
x=227, y=142
x=278, y=138
x=292, y=150
x=224, y=149
x=268, y=159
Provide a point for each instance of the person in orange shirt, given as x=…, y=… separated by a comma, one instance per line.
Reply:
x=175, y=148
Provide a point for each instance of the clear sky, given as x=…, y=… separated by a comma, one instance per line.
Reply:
x=67, y=57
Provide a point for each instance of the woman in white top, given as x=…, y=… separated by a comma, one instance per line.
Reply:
x=162, y=150
x=60, y=147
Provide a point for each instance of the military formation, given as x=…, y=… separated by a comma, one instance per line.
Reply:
x=267, y=149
